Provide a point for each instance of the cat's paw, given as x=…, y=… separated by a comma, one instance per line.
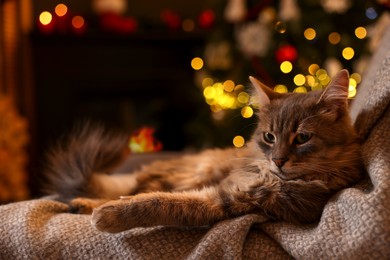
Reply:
x=114, y=216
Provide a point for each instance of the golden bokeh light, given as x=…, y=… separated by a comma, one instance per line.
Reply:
x=207, y=82
x=334, y=38
x=348, y=53
x=299, y=79
x=45, y=18
x=286, y=67
x=352, y=82
x=197, y=63
x=209, y=92
x=246, y=112
x=280, y=88
x=320, y=72
x=300, y=90
x=351, y=92
x=228, y=85
x=313, y=68
x=243, y=97
x=310, y=80
x=356, y=77
x=61, y=10
x=238, y=141
x=309, y=34
x=361, y=32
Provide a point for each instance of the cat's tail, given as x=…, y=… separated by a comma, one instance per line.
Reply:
x=73, y=160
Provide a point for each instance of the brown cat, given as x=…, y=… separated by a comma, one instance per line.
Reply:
x=303, y=151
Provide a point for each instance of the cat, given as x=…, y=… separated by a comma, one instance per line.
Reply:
x=303, y=151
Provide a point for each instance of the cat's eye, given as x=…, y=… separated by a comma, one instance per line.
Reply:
x=302, y=138
x=269, y=138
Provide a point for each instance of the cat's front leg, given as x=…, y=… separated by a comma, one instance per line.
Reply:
x=192, y=208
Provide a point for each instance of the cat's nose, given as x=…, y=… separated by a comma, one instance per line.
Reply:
x=280, y=161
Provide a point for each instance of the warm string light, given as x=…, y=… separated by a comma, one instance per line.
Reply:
x=45, y=18
x=238, y=141
x=61, y=10
x=61, y=22
x=310, y=34
x=222, y=96
x=317, y=79
x=197, y=63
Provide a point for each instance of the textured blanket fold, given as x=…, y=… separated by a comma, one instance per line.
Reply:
x=42, y=229
x=355, y=223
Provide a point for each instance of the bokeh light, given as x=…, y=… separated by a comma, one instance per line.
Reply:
x=356, y=77
x=243, y=97
x=348, y=53
x=299, y=79
x=300, y=90
x=228, y=85
x=286, y=67
x=238, y=141
x=207, y=82
x=361, y=32
x=280, y=88
x=371, y=13
x=197, y=63
x=313, y=68
x=352, y=87
x=61, y=10
x=45, y=18
x=311, y=81
x=246, y=112
x=309, y=34
x=78, y=22
x=225, y=95
x=334, y=38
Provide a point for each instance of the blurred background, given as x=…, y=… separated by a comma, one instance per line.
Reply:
x=176, y=68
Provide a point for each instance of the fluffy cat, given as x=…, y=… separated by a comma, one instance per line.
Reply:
x=303, y=151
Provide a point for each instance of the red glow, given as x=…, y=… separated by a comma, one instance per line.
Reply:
x=207, y=18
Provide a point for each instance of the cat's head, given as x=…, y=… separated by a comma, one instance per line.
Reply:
x=308, y=136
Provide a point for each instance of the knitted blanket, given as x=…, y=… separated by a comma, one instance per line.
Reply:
x=355, y=223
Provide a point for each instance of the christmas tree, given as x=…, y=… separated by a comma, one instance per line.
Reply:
x=290, y=45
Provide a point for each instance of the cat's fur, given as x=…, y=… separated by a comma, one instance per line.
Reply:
x=303, y=151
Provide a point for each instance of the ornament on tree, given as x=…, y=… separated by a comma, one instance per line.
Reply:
x=336, y=6
x=112, y=22
x=286, y=53
x=289, y=10
x=254, y=37
x=109, y=6
x=235, y=11
x=206, y=19
x=171, y=18
x=111, y=16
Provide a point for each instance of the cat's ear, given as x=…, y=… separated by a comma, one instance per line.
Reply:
x=264, y=93
x=335, y=95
